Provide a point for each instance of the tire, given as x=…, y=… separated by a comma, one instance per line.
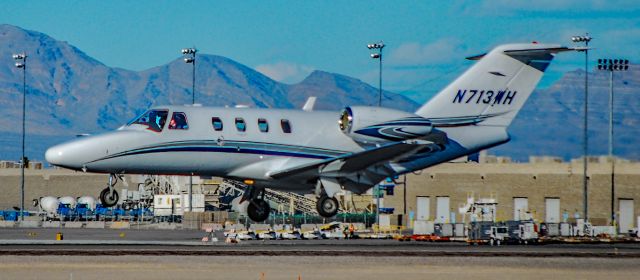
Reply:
x=258, y=210
x=327, y=206
x=109, y=200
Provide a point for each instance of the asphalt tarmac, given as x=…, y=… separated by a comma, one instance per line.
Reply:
x=95, y=242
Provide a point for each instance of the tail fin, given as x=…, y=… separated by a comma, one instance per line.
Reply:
x=493, y=90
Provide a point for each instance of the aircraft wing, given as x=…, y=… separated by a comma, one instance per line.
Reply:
x=364, y=168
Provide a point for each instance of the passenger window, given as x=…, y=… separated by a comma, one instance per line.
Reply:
x=153, y=119
x=286, y=126
x=178, y=121
x=217, y=123
x=241, y=125
x=263, y=125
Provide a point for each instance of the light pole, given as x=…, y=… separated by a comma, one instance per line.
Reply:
x=190, y=54
x=612, y=65
x=377, y=54
x=21, y=62
x=586, y=39
x=190, y=57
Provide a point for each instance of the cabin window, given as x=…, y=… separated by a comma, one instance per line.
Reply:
x=178, y=121
x=154, y=120
x=241, y=125
x=263, y=125
x=286, y=126
x=217, y=123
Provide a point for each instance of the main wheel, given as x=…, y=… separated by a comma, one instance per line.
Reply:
x=108, y=198
x=258, y=210
x=327, y=206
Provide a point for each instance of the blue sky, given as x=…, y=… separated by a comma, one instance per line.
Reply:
x=426, y=40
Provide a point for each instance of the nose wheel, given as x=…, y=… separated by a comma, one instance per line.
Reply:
x=327, y=206
x=109, y=196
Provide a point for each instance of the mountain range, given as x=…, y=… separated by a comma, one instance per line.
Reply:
x=70, y=93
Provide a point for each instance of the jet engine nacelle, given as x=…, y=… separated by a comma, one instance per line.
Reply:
x=373, y=125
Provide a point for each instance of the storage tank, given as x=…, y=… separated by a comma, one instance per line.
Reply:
x=68, y=200
x=49, y=205
x=89, y=201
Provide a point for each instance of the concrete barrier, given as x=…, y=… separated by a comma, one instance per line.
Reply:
x=95, y=225
x=166, y=226
x=29, y=224
x=7, y=224
x=258, y=227
x=51, y=224
x=212, y=226
x=120, y=225
x=73, y=224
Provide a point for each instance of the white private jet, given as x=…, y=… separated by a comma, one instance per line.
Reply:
x=321, y=152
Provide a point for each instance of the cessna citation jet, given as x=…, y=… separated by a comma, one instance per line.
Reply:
x=321, y=152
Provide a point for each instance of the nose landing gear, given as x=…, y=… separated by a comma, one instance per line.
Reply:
x=109, y=196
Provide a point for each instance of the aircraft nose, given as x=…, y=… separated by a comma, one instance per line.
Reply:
x=67, y=155
x=54, y=155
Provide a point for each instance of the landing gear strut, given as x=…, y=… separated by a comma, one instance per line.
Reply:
x=327, y=206
x=109, y=196
x=258, y=209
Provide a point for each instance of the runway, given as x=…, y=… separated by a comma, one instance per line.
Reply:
x=100, y=242
x=180, y=254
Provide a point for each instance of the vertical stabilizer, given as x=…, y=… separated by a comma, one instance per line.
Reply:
x=493, y=90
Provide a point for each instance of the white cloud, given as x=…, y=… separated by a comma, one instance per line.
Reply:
x=441, y=51
x=285, y=72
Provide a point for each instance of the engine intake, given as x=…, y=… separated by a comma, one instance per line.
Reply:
x=373, y=125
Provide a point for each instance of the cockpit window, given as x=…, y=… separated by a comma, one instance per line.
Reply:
x=178, y=121
x=153, y=119
x=241, y=125
x=263, y=125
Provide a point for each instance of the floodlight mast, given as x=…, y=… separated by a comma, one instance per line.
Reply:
x=377, y=54
x=612, y=65
x=21, y=63
x=585, y=145
x=190, y=58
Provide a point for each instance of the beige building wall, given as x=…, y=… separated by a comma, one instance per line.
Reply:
x=53, y=182
x=502, y=181
x=536, y=182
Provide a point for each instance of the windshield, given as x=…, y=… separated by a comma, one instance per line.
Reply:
x=153, y=119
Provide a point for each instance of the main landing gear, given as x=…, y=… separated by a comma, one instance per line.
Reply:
x=109, y=196
x=327, y=206
x=258, y=209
